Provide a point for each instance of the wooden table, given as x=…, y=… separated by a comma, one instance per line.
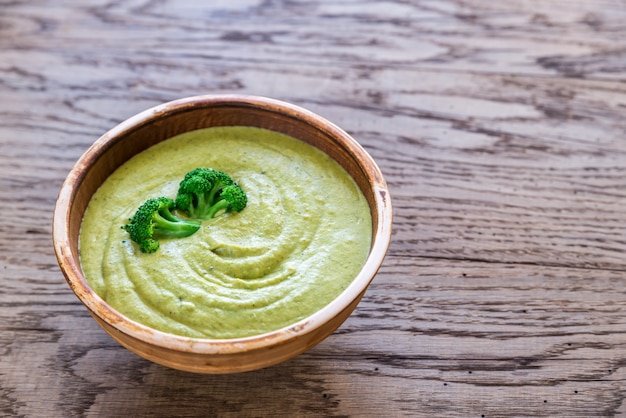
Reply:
x=500, y=127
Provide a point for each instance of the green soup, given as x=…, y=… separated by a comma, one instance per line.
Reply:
x=300, y=241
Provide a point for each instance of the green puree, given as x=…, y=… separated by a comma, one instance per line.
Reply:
x=300, y=241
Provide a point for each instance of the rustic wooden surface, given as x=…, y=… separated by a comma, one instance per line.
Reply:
x=500, y=127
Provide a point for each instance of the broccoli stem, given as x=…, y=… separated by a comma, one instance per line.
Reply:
x=219, y=205
x=202, y=203
x=168, y=228
x=217, y=187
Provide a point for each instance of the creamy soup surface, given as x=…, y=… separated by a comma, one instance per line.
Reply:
x=300, y=241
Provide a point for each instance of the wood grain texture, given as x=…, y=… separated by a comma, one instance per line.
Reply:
x=499, y=127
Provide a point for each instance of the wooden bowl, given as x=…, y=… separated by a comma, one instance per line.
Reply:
x=165, y=121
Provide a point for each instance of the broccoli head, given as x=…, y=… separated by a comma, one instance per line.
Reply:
x=153, y=220
x=205, y=192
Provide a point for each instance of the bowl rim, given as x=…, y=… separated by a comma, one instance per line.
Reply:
x=72, y=271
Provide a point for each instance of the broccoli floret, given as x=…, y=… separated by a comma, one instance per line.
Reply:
x=205, y=192
x=153, y=220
